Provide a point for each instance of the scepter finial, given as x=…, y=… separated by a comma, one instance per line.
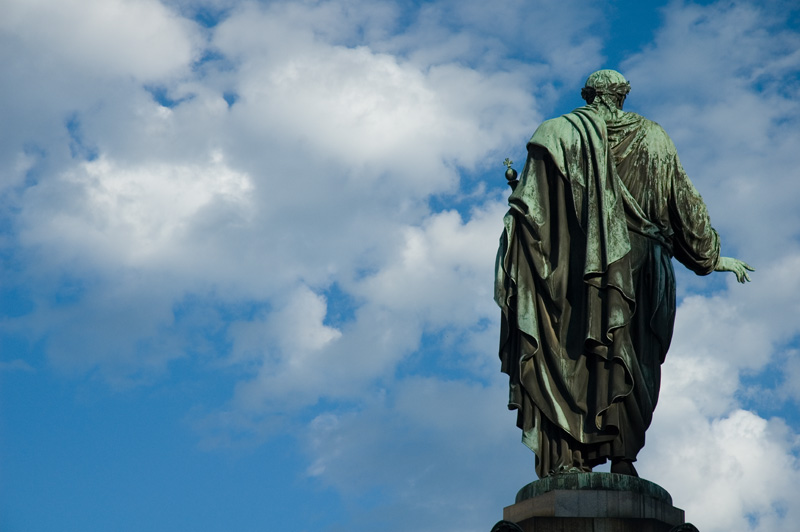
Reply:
x=511, y=174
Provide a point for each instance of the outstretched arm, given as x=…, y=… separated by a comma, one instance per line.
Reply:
x=729, y=264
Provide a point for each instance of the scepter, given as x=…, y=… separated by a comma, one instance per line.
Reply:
x=511, y=174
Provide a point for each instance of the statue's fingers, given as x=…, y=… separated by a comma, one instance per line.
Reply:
x=747, y=266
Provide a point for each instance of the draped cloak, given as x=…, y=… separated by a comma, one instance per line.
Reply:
x=585, y=283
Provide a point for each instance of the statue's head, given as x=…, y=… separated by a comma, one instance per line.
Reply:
x=608, y=86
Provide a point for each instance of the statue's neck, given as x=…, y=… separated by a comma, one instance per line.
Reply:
x=607, y=111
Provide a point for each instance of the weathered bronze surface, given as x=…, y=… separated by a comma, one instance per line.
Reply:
x=595, y=482
x=585, y=282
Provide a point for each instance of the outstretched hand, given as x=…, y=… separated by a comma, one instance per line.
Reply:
x=740, y=268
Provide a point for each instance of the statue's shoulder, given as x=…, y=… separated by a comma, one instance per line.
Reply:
x=562, y=128
x=643, y=122
x=559, y=123
x=655, y=136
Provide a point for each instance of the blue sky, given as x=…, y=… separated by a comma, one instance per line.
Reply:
x=247, y=253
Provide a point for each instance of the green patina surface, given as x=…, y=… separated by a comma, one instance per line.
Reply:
x=593, y=481
x=585, y=281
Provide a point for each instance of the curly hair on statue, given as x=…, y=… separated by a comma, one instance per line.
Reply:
x=616, y=89
x=605, y=82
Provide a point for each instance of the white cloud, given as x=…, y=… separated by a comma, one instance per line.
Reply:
x=548, y=42
x=134, y=217
x=439, y=279
x=66, y=61
x=141, y=38
x=323, y=167
x=735, y=472
x=721, y=328
x=791, y=386
x=444, y=455
x=369, y=114
x=442, y=270
x=290, y=344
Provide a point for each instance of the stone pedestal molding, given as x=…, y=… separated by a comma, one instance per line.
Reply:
x=593, y=502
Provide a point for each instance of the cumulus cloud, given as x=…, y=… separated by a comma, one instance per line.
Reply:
x=66, y=61
x=441, y=269
x=734, y=472
x=436, y=281
x=157, y=171
x=369, y=114
x=290, y=345
x=111, y=38
x=131, y=217
x=320, y=167
x=441, y=454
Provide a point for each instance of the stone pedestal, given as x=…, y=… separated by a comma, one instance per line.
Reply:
x=593, y=502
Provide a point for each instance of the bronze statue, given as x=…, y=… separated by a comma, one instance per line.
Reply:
x=585, y=282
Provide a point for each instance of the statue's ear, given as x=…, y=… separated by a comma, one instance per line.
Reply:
x=588, y=94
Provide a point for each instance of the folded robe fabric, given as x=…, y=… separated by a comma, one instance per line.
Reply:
x=586, y=287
